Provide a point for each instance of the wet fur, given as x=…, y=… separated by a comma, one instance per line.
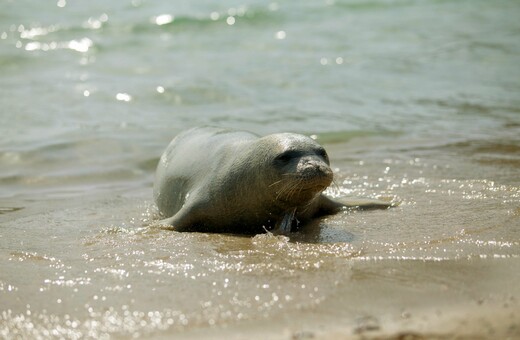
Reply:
x=216, y=180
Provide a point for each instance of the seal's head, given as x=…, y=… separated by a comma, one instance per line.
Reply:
x=299, y=168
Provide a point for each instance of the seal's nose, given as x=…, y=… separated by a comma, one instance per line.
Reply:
x=315, y=169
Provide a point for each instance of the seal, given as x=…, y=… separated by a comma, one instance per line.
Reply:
x=216, y=180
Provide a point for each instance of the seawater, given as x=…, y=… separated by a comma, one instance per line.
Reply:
x=416, y=101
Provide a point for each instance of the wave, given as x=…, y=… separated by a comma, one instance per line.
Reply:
x=203, y=22
x=372, y=5
x=163, y=22
x=362, y=5
x=99, y=33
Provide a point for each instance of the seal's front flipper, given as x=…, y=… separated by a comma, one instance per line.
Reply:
x=177, y=222
x=284, y=226
x=165, y=224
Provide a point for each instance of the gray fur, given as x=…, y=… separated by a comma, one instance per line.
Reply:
x=215, y=180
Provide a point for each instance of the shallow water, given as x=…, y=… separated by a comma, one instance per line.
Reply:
x=416, y=101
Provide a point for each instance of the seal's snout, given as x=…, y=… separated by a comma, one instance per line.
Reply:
x=316, y=172
x=316, y=168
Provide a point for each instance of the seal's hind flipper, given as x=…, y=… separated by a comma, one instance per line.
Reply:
x=329, y=206
x=365, y=203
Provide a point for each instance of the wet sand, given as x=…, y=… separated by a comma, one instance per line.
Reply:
x=444, y=264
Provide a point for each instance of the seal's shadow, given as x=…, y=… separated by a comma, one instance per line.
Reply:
x=315, y=232
x=318, y=231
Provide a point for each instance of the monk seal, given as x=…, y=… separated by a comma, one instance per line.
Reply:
x=217, y=180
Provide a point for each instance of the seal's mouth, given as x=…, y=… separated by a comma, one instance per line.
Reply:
x=317, y=180
x=315, y=186
x=303, y=182
x=299, y=188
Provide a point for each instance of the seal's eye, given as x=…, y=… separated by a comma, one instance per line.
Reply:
x=286, y=156
x=321, y=152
